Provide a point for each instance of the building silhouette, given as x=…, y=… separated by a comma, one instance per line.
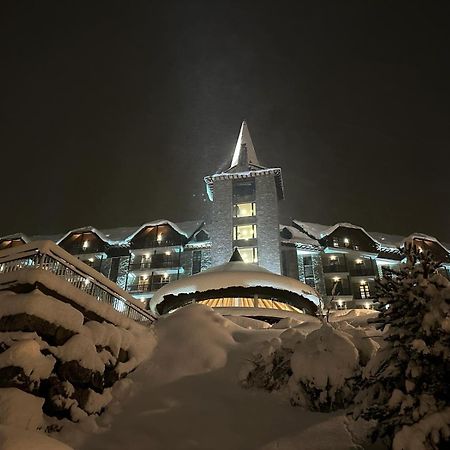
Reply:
x=340, y=261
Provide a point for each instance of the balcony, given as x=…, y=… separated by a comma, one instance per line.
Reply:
x=170, y=263
x=335, y=268
x=362, y=272
x=339, y=291
x=142, y=288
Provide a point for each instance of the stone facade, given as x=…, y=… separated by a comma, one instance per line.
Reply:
x=268, y=224
x=222, y=222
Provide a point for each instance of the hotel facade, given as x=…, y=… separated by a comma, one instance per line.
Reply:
x=340, y=261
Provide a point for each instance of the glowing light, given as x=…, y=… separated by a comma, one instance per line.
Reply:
x=85, y=245
x=91, y=260
x=166, y=275
x=358, y=261
x=147, y=256
x=336, y=279
x=346, y=241
x=333, y=258
x=86, y=281
x=160, y=237
x=167, y=253
x=363, y=282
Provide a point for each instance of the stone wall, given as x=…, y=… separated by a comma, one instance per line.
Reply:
x=222, y=222
x=268, y=223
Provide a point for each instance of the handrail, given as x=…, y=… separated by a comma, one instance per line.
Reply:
x=37, y=259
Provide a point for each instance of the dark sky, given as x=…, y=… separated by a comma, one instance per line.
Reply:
x=112, y=112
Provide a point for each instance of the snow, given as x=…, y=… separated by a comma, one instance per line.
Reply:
x=20, y=409
x=15, y=438
x=81, y=349
x=27, y=355
x=249, y=323
x=59, y=285
x=415, y=437
x=187, y=396
x=234, y=274
x=326, y=357
x=40, y=305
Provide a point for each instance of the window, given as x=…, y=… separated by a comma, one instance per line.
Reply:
x=244, y=232
x=364, y=290
x=309, y=271
x=196, y=261
x=249, y=254
x=245, y=209
x=335, y=242
x=347, y=242
x=244, y=188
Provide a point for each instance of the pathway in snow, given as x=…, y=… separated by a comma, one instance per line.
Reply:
x=209, y=410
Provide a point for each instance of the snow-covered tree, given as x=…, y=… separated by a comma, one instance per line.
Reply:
x=406, y=389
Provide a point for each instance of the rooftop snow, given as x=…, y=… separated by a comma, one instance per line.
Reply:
x=234, y=274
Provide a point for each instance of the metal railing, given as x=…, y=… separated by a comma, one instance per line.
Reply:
x=157, y=264
x=335, y=268
x=362, y=271
x=78, y=279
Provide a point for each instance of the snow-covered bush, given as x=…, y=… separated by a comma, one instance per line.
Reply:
x=406, y=389
x=319, y=370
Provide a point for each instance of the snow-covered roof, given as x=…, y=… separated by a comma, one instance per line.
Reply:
x=298, y=236
x=234, y=274
x=319, y=231
x=114, y=236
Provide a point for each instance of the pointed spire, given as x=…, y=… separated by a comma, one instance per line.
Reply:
x=236, y=256
x=244, y=154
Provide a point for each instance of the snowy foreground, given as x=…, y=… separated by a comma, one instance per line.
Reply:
x=188, y=395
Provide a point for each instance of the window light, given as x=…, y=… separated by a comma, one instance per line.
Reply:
x=85, y=244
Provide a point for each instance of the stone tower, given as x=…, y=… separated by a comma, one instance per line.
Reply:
x=245, y=208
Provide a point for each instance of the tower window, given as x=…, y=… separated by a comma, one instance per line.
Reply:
x=245, y=209
x=244, y=188
x=249, y=254
x=244, y=232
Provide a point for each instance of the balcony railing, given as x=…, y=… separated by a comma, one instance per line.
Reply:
x=343, y=291
x=171, y=263
x=335, y=268
x=362, y=271
x=151, y=287
x=36, y=259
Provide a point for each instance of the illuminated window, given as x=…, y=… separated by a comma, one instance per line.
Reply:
x=160, y=237
x=249, y=254
x=85, y=245
x=346, y=242
x=244, y=232
x=364, y=290
x=245, y=209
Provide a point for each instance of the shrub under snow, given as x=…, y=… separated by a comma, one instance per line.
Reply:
x=319, y=369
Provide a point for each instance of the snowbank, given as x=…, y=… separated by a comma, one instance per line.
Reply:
x=193, y=340
x=20, y=409
x=14, y=438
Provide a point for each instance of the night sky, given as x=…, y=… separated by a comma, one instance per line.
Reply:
x=112, y=112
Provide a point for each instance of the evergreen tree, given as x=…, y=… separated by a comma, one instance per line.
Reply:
x=406, y=389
